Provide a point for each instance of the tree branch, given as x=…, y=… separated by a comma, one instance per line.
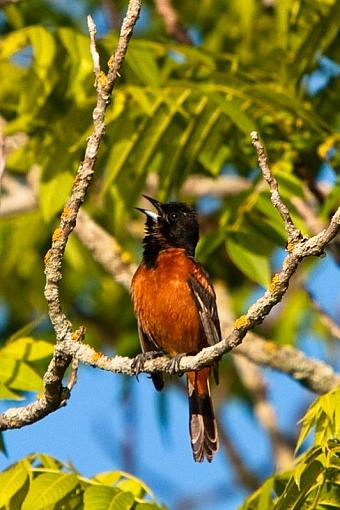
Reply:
x=55, y=394
x=294, y=235
x=172, y=24
x=315, y=375
x=199, y=186
x=104, y=249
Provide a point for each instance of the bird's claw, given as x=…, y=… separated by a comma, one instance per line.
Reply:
x=173, y=365
x=138, y=363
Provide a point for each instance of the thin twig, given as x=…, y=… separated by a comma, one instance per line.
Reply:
x=93, y=48
x=294, y=235
x=74, y=374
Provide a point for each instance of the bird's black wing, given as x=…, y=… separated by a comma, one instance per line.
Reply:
x=205, y=300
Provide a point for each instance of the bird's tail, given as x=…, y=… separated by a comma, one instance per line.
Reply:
x=202, y=423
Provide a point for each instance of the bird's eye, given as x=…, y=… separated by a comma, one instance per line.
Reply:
x=173, y=216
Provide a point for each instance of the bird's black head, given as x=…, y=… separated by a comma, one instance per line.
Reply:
x=174, y=225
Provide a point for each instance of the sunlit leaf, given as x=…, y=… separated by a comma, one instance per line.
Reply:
x=107, y=498
x=49, y=488
x=11, y=482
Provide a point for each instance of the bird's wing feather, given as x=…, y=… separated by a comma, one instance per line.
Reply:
x=147, y=343
x=205, y=300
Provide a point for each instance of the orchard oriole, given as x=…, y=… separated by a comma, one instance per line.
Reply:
x=175, y=305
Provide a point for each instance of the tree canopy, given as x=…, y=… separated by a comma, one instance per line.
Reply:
x=196, y=80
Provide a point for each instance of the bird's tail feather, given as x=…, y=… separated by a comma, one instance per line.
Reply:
x=202, y=423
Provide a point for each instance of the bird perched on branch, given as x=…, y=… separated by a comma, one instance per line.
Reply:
x=175, y=305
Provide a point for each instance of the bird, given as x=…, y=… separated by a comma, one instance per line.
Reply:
x=175, y=305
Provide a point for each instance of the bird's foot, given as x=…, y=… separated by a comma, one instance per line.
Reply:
x=173, y=365
x=138, y=363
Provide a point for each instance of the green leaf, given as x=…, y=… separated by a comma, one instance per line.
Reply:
x=107, y=498
x=7, y=394
x=330, y=496
x=27, y=349
x=48, y=489
x=11, y=482
x=19, y=375
x=307, y=423
x=292, y=318
x=53, y=192
x=80, y=77
x=109, y=477
x=47, y=461
x=254, y=265
x=233, y=110
x=289, y=185
x=265, y=500
x=133, y=486
x=144, y=65
x=292, y=497
x=320, y=34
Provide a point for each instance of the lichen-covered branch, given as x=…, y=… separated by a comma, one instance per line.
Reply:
x=104, y=86
x=294, y=235
x=54, y=393
x=311, y=373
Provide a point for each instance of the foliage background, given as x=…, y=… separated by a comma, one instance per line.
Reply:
x=178, y=111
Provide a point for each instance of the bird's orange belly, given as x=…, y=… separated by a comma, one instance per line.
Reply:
x=166, y=309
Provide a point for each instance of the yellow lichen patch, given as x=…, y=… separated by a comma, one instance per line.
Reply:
x=101, y=78
x=57, y=234
x=40, y=395
x=75, y=336
x=76, y=179
x=289, y=247
x=66, y=213
x=47, y=256
x=274, y=283
x=270, y=346
x=111, y=61
x=126, y=257
x=241, y=322
x=95, y=357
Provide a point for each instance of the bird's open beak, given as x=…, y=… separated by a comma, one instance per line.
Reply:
x=151, y=214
